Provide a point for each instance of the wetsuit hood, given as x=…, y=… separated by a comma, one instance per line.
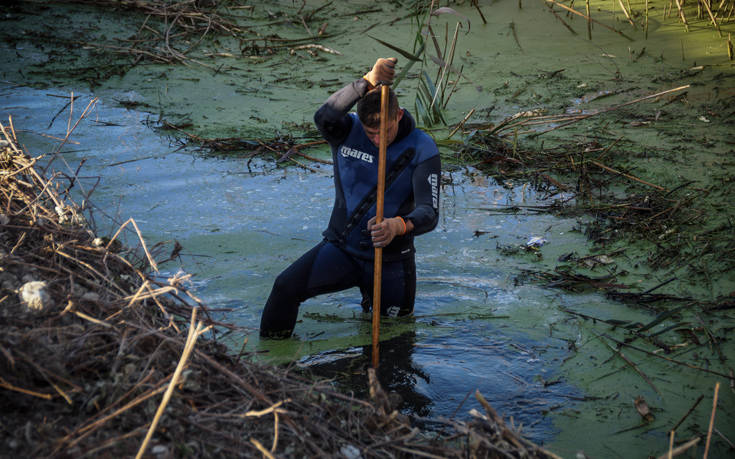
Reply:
x=405, y=126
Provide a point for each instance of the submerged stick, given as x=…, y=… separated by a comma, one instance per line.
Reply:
x=619, y=353
x=688, y=365
x=625, y=11
x=614, y=171
x=477, y=6
x=699, y=399
x=712, y=16
x=682, y=16
x=671, y=444
x=589, y=19
x=568, y=27
x=711, y=420
x=680, y=449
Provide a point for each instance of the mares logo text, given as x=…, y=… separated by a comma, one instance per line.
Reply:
x=357, y=154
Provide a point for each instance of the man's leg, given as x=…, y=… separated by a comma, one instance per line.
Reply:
x=323, y=269
x=398, y=289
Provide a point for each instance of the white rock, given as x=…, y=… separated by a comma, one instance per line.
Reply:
x=350, y=452
x=159, y=449
x=4, y=219
x=34, y=296
x=91, y=296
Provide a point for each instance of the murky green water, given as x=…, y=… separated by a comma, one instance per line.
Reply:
x=476, y=326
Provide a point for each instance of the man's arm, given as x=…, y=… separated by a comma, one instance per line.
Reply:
x=426, y=214
x=426, y=195
x=331, y=119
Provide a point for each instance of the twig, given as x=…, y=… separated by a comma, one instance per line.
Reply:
x=319, y=47
x=609, y=109
x=551, y=8
x=727, y=440
x=573, y=11
x=681, y=15
x=711, y=420
x=92, y=103
x=676, y=426
x=706, y=370
x=140, y=236
x=477, y=6
x=619, y=353
x=7, y=385
x=70, y=308
x=712, y=16
x=671, y=444
x=191, y=339
x=262, y=449
x=108, y=443
x=91, y=427
x=461, y=123
x=610, y=169
x=625, y=11
x=680, y=449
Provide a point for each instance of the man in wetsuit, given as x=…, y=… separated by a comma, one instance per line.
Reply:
x=344, y=258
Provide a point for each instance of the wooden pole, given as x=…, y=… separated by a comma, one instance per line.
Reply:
x=378, y=267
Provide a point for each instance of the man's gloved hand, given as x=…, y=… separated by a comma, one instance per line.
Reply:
x=384, y=232
x=384, y=71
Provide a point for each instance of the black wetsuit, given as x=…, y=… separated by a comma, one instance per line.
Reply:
x=344, y=259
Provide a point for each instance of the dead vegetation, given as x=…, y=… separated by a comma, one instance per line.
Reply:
x=595, y=179
x=92, y=339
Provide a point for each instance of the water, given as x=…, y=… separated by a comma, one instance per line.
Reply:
x=240, y=224
x=477, y=326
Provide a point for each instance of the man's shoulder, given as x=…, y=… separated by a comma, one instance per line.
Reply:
x=425, y=145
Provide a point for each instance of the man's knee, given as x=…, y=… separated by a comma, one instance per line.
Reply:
x=279, y=314
x=289, y=286
x=397, y=310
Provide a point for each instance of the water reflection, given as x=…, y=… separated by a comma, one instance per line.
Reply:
x=398, y=373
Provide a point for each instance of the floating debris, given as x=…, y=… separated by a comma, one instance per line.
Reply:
x=536, y=242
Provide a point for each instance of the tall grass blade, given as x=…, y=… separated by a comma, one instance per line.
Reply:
x=400, y=51
x=406, y=68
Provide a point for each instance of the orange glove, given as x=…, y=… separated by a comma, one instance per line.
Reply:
x=384, y=232
x=383, y=71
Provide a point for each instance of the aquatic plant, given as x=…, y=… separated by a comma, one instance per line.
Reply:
x=432, y=94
